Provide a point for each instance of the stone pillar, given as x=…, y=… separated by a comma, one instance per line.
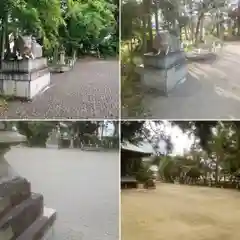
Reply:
x=62, y=57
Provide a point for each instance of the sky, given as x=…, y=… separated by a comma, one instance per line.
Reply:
x=107, y=131
x=181, y=141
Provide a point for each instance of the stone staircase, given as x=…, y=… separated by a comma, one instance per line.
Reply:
x=22, y=213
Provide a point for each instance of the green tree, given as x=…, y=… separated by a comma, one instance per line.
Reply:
x=36, y=131
x=87, y=23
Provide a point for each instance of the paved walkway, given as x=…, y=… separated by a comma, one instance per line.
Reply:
x=82, y=186
x=211, y=91
x=90, y=90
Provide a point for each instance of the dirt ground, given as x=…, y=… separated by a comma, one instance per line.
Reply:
x=178, y=212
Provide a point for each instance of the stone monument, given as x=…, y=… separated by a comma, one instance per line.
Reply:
x=165, y=67
x=22, y=213
x=27, y=74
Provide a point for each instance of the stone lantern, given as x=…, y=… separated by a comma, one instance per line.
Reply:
x=22, y=213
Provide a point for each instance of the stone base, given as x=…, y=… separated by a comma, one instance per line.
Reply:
x=22, y=214
x=24, y=78
x=24, y=85
x=25, y=65
x=163, y=80
x=40, y=229
x=60, y=69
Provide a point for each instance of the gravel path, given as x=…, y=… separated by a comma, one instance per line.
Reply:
x=90, y=90
x=211, y=91
x=83, y=187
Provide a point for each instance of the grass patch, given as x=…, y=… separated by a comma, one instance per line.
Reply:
x=131, y=94
x=131, y=89
x=3, y=104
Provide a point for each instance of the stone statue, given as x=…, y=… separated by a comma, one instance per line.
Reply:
x=27, y=47
x=164, y=43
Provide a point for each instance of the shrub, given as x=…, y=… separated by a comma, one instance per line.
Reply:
x=144, y=174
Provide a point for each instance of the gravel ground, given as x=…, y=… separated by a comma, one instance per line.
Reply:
x=176, y=212
x=89, y=90
x=83, y=187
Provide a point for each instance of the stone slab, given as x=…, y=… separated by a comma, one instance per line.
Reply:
x=22, y=216
x=40, y=228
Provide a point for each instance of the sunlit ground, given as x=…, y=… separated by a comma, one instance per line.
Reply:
x=179, y=212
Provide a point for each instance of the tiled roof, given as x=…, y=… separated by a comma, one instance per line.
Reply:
x=141, y=147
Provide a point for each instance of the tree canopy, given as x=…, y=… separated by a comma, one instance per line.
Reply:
x=72, y=24
x=215, y=149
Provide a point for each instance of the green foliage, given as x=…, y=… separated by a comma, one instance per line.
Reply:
x=143, y=174
x=194, y=172
x=87, y=24
x=216, y=149
x=36, y=132
x=71, y=23
x=109, y=47
x=168, y=169
x=132, y=131
x=131, y=19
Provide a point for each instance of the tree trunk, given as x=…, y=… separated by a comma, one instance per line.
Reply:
x=216, y=171
x=238, y=25
x=55, y=55
x=198, y=27
x=102, y=130
x=116, y=128
x=7, y=42
x=144, y=35
x=150, y=42
x=191, y=21
x=186, y=33
x=202, y=29
x=218, y=30
x=3, y=37
x=156, y=16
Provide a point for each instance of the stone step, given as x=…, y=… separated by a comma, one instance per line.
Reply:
x=20, y=217
x=40, y=228
x=13, y=192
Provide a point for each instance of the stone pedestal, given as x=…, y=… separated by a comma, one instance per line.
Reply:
x=22, y=213
x=24, y=78
x=163, y=72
